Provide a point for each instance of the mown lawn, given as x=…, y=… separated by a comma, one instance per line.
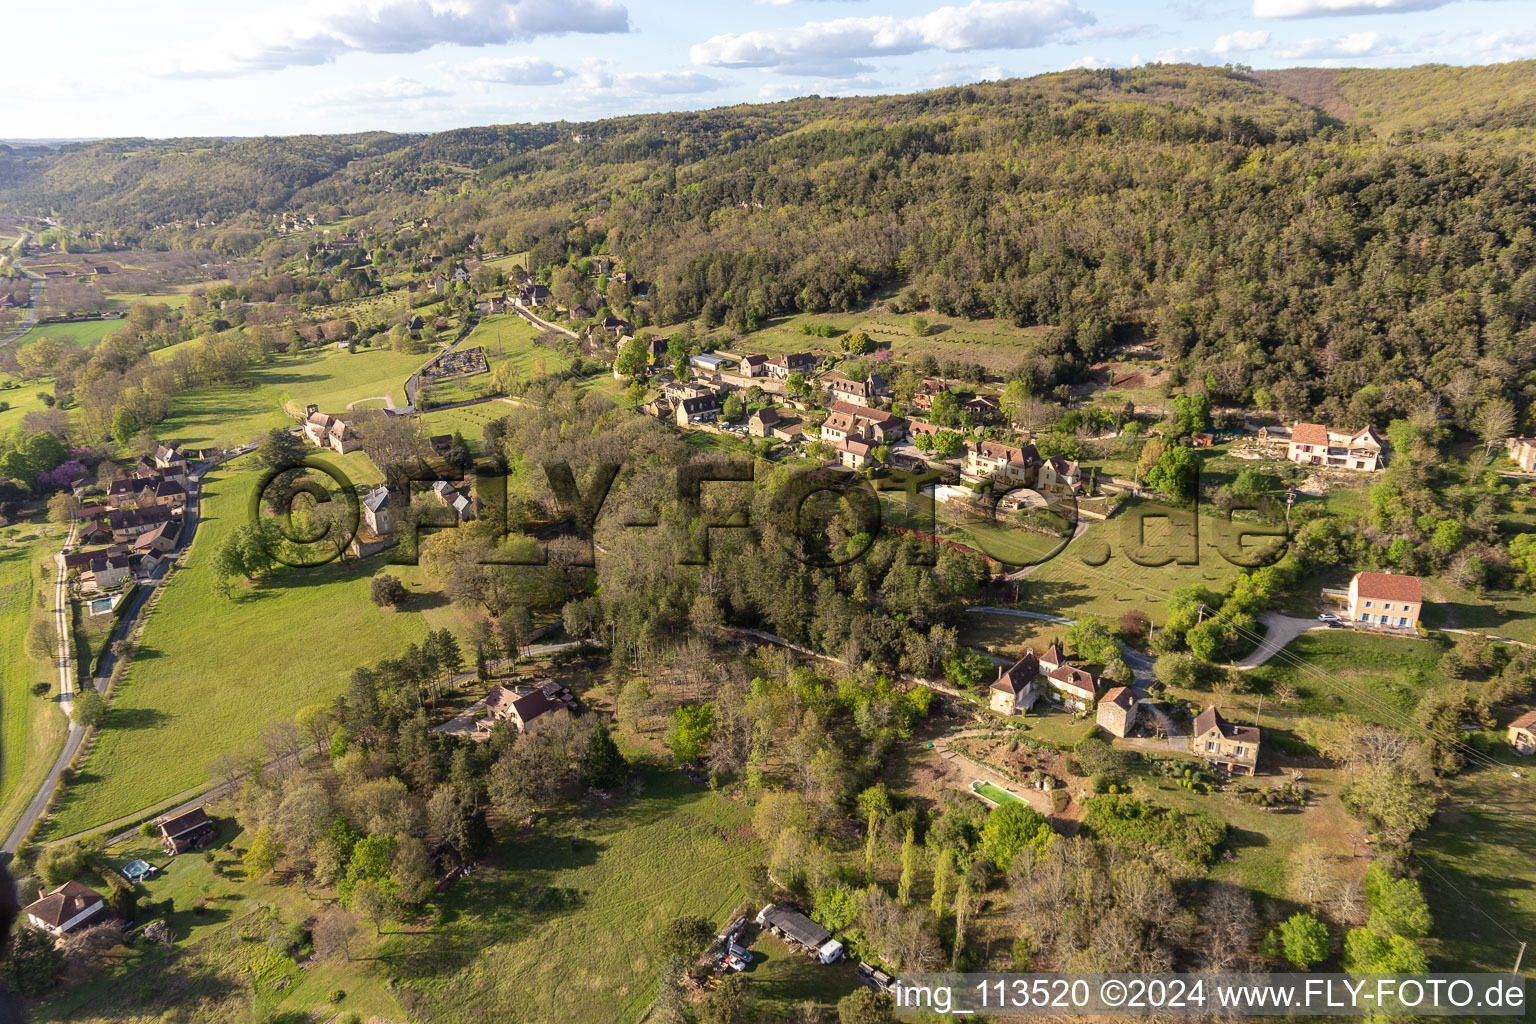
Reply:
x=1108, y=571
x=19, y=398
x=81, y=334
x=213, y=671
x=31, y=727
x=1007, y=634
x=628, y=869
x=224, y=416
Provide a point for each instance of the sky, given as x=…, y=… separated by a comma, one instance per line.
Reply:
x=105, y=68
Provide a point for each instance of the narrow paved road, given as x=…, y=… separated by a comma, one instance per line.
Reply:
x=103, y=677
x=31, y=317
x=1279, y=630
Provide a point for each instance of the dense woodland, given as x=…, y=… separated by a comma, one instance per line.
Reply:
x=1290, y=259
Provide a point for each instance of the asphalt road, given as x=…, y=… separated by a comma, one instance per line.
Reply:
x=125, y=625
x=31, y=317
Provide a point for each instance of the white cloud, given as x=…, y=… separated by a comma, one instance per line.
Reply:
x=1088, y=63
x=833, y=48
x=508, y=71
x=1319, y=8
x=318, y=35
x=1240, y=42
x=1179, y=55
x=1114, y=32
x=394, y=89
x=597, y=76
x=1356, y=44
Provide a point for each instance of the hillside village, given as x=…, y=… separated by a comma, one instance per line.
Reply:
x=364, y=607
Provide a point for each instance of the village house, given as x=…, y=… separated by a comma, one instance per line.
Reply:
x=855, y=392
x=99, y=570
x=923, y=397
x=452, y=498
x=189, y=831
x=992, y=460
x=1522, y=733
x=1522, y=451
x=172, y=459
x=700, y=409
x=1057, y=475
x=981, y=407
x=1232, y=748
x=753, y=366
x=1385, y=600
x=376, y=511
x=761, y=422
x=128, y=523
x=854, y=454
x=1313, y=444
x=791, y=432
x=1015, y=688
x=781, y=367
x=533, y=294
x=69, y=907
x=528, y=710
x=1117, y=712
x=1073, y=687
x=160, y=540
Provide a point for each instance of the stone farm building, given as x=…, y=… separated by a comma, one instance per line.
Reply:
x=1313, y=444
x=1232, y=748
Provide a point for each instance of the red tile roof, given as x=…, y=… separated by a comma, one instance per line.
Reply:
x=1309, y=433
x=1120, y=696
x=1388, y=586
x=1525, y=721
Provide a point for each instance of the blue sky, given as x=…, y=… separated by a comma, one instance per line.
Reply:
x=179, y=67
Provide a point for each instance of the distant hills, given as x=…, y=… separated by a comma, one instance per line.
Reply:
x=1349, y=240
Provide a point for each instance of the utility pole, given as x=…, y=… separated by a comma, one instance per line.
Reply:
x=1290, y=499
x=1259, y=713
x=1519, y=958
x=1202, y=613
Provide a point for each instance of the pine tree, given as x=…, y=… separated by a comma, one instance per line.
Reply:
x=602, y=765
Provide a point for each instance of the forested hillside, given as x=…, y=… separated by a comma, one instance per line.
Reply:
x=1353, y=242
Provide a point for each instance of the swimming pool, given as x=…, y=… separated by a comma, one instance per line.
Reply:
x=102, y=604
x=994, y=794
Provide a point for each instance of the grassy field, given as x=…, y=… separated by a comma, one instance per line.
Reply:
x=87, y=332
x=470, y=420
x=31, y=727
x=1263, y=843
x=995, y=344
x=1375, y=677
x=183, y=700
x=217, y=962
x=1007, y=634
x=226, y=415
x=1480, y=877
x=1104, y=573
x=1510, y=613
x=19, y=398
x=633, y=868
